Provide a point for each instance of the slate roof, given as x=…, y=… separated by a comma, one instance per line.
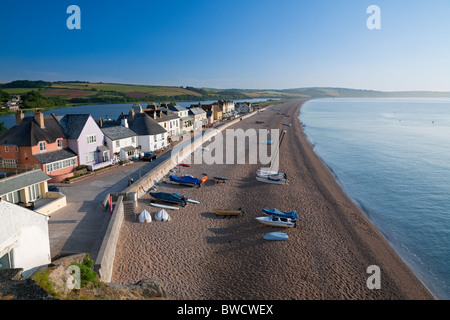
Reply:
x=117, y=132
x=176, y=108
x=73, y=124
x=164, y=117
x=22, y=180
x=144, y=125
x=196, y=111
x=53, y=156
x=28, y=133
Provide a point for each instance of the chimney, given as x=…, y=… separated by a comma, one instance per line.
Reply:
x=39, y=118
x=19, y=116
x=124, y=122
x=131, y=114
x=100, y=122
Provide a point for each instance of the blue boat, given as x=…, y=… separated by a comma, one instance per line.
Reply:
x=185, y=180
x=169, y=197
x=276, y=236
x=274, y=212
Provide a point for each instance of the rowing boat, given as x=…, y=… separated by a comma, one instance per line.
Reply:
x=223, y=212
x=169, y=197
x=276, y=236
x=163, y=206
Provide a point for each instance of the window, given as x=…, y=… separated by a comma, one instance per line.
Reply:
x=13, y=197
x=42, y=146
x=5, y=262
x=91, y=139
x=34, y=192
x=133, y=140
x=60, y=165
x=6, y=149
x=10, y=163
x=118, y=144
x=60, y=143
x=90, y=156
x=16, y=149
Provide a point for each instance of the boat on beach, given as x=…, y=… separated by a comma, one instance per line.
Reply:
x=162, y=215
x=163, y=206
x=169, y=197
x=187, y=180
x=273, y=179
x=224, y=212
x=276, y=236
x=220, y=180
x=145, y=217
x=275, y=212
x=267, y=175
x=275, y=221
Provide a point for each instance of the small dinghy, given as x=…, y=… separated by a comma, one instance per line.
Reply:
x=276, y=236
x=169, y=197
x=162, y=215
x=163, y=206
x=273, y=179
x=184, y=165
x=220, y=180
x=145, y=217
x=187, y=180
x=224, y=212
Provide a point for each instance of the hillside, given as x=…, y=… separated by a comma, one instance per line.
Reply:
x=82, y=92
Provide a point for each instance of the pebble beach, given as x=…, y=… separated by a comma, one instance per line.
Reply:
x=198, y=255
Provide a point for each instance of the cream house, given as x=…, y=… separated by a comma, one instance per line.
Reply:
x=24, y=238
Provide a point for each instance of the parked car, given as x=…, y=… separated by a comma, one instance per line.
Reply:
x=53, y=188
x=149, y=156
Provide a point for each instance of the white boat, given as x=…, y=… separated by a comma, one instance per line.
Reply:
x=276, y=236
x=267, y=175
x=145, y=217
x=162, y=215
x=272, y=174
x=158, y=205
x=275, y=221
x=272, y=179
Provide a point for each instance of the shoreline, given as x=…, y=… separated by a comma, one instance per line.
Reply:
x=200, y=256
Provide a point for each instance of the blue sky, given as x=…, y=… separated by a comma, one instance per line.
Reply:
x=261, y=44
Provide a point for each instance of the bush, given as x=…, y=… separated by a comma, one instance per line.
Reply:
x=88, y=275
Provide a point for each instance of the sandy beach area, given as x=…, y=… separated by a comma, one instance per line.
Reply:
x=200, y=256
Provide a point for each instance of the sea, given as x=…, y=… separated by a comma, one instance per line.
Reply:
x=111, y=111
x=392, y=158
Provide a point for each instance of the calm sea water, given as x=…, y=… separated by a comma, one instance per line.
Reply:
x=392, y=157
x=112, y=111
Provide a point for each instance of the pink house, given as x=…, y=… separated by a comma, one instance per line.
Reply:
x=39, y=142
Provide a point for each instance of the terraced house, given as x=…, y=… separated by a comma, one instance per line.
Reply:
x=86, y=139
x=39, y=142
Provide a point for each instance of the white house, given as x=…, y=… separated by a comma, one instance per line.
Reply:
x=24, y=238
x=166, y=119
x=150, y=135
x=120, y=140
x=243, y=107
x=186, y=122
x=200, y=117
x=226, y=106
